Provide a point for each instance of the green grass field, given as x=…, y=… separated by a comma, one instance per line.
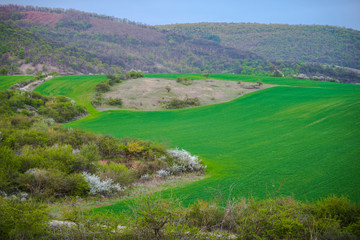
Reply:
x=80, y=88
x=303, y=136
x=8, y=81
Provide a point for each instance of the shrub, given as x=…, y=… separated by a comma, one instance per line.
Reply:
x=151, y=215
x=134, y=74
x=22, y=219
x=113, y=79
x=168, y=88
x=115, y=101
x=162, y=173
x=52, y=183
x=339, y=208
x=119, y=173
x=90, y=152
x=184, y=160
x=59, y=157
x=183, y=81
x=204, y=214
x=98, y=186
x=9, y=166
x=176, y=103
x=97, y=99
x=102, y=87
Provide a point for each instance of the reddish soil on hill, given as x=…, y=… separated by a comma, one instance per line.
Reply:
x=43, y=18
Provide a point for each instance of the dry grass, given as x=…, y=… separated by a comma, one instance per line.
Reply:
x=149, y=93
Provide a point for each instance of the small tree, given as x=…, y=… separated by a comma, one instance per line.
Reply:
x=3, y=71
x=168, y=88
x=259, y=83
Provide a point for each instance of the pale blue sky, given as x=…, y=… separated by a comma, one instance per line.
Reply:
x=343, y=13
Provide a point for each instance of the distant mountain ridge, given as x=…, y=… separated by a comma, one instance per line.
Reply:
x=74, y=42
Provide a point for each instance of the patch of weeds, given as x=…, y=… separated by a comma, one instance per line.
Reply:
x=183, y=81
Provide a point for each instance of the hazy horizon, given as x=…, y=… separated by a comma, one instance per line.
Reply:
x=341, y=13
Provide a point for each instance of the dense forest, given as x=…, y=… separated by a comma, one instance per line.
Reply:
x=72, y=42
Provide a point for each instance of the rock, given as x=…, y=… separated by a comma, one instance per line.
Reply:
x=56, y=224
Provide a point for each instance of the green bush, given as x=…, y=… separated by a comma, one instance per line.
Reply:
x=151, y=215
x=115, y=102
x=176, y=103
x=9, y=166
x=53, y=183
x=119, y=173
x=102, y=87
x=22, y=219
x=134, y=74
x=113, y=79
x=339, y=208
x=205, y=215
x=183, y=81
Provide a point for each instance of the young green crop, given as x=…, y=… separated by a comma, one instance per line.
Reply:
x=80, y=88
x=8, y=81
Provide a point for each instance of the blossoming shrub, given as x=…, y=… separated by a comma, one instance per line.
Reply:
x=163, y=173
x=184, y=161
x=98, y=186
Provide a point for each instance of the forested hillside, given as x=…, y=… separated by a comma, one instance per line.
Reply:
x=309, y=43
x=36, y=39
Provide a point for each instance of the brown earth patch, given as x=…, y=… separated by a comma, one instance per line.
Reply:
x=150, y=93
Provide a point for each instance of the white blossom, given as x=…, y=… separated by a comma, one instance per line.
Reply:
x=101, y=187
x=186, y=160
x=162, y=173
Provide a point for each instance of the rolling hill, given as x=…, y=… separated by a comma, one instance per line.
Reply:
x=300, y=137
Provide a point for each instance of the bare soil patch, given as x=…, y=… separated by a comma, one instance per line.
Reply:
x=150, y=93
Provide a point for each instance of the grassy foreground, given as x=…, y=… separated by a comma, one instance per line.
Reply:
x=303, y=138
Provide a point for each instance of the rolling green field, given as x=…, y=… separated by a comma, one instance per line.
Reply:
x=8, y=81
x=80, y=88
x=303, y=136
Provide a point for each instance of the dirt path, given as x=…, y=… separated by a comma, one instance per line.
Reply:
x=31, y=86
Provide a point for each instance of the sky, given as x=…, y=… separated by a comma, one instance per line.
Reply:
x=342, y=13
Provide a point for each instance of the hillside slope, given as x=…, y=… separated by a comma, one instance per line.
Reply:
x=73, y=42
x=77, y=42
x=301, y=139
x=309, y=43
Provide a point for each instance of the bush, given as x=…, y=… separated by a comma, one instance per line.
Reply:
x=59, y=157
x=163, y=173
x=151, y=215
x=183, y=81
x=9, y=166
x=134, y=74
x=22, y=219
x=102, y=87
x=119, y=173
x=98, y=186
x=52, y=183
x=113, y=79
x=185, y=161
x=176, y=103
x=115, y=102
x=339, y=208
x=205, y=214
